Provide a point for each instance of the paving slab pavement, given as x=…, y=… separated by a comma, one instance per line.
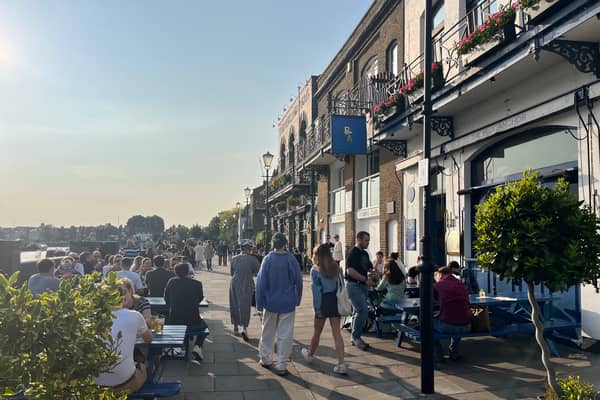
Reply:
x=491, y=368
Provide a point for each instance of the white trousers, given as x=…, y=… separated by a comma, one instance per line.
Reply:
x=282, y=326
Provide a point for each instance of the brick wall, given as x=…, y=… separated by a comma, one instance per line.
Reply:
x=323, y=203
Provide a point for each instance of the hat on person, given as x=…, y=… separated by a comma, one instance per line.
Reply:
x=74, y=255
x=247, y=243
x=279, y=240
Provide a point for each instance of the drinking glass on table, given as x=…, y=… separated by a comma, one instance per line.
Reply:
x=158, y=325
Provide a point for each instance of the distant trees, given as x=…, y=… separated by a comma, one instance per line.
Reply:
x=154, y=225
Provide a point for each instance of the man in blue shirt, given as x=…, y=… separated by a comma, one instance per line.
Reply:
x=130, y=250
x=278, y=293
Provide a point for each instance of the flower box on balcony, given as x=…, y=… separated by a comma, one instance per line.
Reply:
x=535, y=9
x=495, y=32
x=438, y=82
x=506, y=35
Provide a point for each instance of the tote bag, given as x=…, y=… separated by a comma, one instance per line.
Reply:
x=343, y=301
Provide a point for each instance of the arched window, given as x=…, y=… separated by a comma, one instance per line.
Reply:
x=282, y=157
x=292, y=150
x=439, y=14
x=392, y=58
x=371, y=68
x=547, y=148
x=302, y=133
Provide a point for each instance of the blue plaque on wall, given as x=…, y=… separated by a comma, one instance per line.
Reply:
x=410, y=234
x=348, y=134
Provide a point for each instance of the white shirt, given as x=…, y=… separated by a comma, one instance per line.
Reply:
x=79, y=268
x=106, y=269
x=131, y=324
x=338, y=251
x=199, y=252
x=134, y=277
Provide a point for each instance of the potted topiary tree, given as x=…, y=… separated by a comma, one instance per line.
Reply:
x=52, y=346
x=538, y=234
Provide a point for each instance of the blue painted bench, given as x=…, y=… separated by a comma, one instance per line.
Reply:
x=391, y=319
x=502, y=331
x=151, y=391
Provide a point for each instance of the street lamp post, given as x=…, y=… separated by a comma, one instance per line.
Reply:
x=267, y=160
x=248, y=193
x=239, y=229
x=426, y=268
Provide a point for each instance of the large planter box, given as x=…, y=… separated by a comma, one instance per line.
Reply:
x=508, y=35
x=540, y=8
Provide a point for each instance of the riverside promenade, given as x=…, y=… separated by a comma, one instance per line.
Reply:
x=491, y=368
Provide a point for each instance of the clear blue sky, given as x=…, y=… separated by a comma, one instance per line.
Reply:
x=111, y=108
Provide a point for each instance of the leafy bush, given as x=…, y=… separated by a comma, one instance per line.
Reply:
x=573, y=389
x=539, y=234
x=52, y=346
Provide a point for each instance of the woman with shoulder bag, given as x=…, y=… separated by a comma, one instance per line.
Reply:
x=325, y=277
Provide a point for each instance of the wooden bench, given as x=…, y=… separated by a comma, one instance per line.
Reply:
x=153, y=390
x=503, y=331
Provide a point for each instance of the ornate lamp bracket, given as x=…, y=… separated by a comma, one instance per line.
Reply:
x=396, y=147
x=585, y=56
x=443, y=126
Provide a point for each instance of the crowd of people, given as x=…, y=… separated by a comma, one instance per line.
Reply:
x=139, y=274
x=370, y=285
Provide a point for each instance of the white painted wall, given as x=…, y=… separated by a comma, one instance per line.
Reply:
x=370, y=225
x=412, y=210
x=392, y=236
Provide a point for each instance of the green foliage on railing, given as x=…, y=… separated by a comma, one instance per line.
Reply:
x=52, y=346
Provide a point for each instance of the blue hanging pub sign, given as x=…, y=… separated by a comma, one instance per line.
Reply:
x=348, y=134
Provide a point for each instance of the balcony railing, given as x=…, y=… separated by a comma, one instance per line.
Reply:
x=368, y=92
x=282, y=181
x=446, y=46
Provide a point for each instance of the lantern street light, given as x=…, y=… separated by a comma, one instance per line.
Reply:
x=267, y=160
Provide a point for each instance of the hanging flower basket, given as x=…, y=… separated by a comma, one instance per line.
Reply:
x=498, y=30
x=535, y=8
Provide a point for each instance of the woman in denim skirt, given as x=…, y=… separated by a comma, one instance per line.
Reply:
x=325, y=277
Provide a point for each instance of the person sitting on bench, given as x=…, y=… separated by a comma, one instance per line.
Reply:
x=391, y=286
x=455, y=315
x=183, y=295
x=126, y=376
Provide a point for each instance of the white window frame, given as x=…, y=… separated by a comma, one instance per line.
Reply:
x=337, y=201
x=371, y=196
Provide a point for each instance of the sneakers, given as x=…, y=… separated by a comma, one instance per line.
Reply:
x=281, y=372
x=360, y=344
x=340, y=369
x=244, y=335
x=264, y=364
x=306, y=355
x=197, y=355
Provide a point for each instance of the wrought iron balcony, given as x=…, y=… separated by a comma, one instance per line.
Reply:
x=368, y=92
x=288, y=182
x=490, y=31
